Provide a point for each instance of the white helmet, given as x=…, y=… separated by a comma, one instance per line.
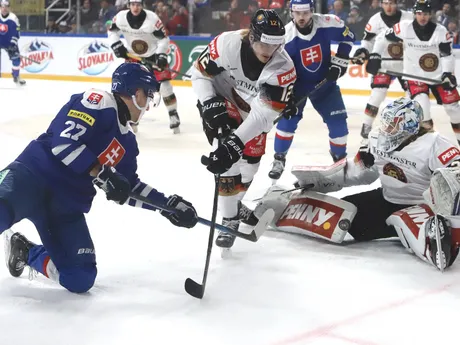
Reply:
x=399, y=120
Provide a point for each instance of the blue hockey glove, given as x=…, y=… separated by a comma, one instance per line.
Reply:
x=114, y=184
x=185, y=215
x=227, y=154
x=337, y=67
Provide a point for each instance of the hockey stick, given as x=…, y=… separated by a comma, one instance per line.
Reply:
x=254, y=236
x=303, y=99
x=31, y=60
x=355, y=60
x=398, y=74
x=192, y=287
x=137, y=58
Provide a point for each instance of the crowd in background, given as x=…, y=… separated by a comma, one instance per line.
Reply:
x=214, y=16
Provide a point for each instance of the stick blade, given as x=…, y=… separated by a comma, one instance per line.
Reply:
x=264, y=222
x=193, y=288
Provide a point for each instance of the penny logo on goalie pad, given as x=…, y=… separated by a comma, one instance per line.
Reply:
x=311, y=215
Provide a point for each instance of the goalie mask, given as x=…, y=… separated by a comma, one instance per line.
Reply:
x=399, y=121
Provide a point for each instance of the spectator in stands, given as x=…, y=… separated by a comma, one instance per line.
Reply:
x=452, y=28
x=442, y=16
x=178, y=24
x=88, y=15
x=285, y=14
x=121, y=5
x=247, y=15
x=375, y=8
x=51, y=26
x=356, y=22
x=338, y=10
x=107, y=11
x=233, y=18
x=63, y=28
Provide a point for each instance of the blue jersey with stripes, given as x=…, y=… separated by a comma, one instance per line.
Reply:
x=9, y=30
x=86, y=131
x=312, y=53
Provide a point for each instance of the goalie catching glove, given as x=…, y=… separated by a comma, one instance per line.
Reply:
x=184, y=214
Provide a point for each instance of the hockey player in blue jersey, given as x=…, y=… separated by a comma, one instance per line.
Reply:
x=308, y=43
x=9, y=37
x=52, y=181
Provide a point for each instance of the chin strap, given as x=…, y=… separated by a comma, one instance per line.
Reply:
x=142, y=109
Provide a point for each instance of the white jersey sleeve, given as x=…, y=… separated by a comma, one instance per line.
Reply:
x=394, y=34
x=445, y=49
x=207, y=67
x=276, y=85
x=372, y=29
x=443, y=153
x=114, y=34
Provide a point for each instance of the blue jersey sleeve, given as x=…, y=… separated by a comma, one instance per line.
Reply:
x=72, y=130
x=151, y=193
x=339, y=32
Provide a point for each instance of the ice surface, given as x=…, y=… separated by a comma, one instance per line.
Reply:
x=285, y=289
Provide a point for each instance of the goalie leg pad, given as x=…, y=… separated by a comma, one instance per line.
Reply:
x=317, y=215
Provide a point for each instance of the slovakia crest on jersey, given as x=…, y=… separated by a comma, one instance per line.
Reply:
x=312, y=57
x=3, y=28
x=94, y=98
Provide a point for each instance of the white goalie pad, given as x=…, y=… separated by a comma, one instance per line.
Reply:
x=324, y=179
x=410, y=225
x=332, y=178
x=443, y=194
x=308, y=213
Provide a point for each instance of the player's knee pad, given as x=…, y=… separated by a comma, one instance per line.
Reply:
x=78, y=279
x=229, y=189
x=166, y=89
x=248, y=171
x=317, y=215
x=424, y=100
x=453, y=110
x=377, y=97
x=337, y=126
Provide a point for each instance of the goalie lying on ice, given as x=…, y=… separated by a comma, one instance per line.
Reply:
x=418, y=201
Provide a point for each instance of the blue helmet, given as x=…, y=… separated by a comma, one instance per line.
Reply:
x=302, y=5
x=130, y=76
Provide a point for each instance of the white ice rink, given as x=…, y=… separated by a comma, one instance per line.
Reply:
x=283, y=290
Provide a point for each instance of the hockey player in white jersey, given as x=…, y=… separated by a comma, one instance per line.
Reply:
x=146, y=38
x=380, y=22
x=412, y=164
x=427, y=53
x=243, y=80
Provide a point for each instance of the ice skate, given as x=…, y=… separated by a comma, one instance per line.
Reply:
x=246, y=215
x=439, y=234
x=174, y=121
x=19, y=81
x=17, y=248
x=277, y=166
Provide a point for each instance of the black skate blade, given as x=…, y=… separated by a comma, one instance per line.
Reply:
x=193, y=288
